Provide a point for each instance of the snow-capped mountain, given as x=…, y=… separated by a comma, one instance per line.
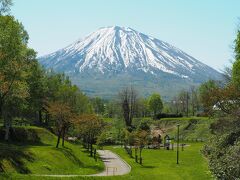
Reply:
x=113, y=51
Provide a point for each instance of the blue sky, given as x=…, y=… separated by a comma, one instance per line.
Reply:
x=204, y=29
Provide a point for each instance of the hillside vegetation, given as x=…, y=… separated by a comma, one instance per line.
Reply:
x=32, y=151
x=191, y=128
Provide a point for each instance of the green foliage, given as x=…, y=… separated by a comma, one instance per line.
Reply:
x=98, y=105
x=236, y=73
x=223, y=154
x=15, y=60
x=223, y=149
x=155, y=104
x=237, y=46
x=143, y=108
x=144, y=125
x=236, y=65
x=204, y=90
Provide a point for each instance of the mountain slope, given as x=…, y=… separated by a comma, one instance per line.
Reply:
x=114, y=52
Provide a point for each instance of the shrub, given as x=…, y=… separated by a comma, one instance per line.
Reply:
x=21, y=135
x=164, y=115
x=223, y=153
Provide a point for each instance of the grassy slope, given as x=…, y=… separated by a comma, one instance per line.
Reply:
x=161, y=164
x=44, y=158
x=191, y=128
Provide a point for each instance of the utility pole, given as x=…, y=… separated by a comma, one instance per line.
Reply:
x=178, y=143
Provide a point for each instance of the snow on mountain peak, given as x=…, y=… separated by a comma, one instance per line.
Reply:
x=115, y=49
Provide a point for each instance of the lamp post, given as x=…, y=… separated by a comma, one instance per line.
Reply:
x=178, y=143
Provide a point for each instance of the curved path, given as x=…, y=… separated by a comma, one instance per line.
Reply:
x=114, y=165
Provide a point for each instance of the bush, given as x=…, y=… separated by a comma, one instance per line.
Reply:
x=164, y=115
x=223, y=153
x=21, y=135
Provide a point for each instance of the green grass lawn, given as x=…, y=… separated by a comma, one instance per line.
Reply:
x=161, y=164
x=44, y=158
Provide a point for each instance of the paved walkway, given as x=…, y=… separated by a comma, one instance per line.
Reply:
x=114, y=165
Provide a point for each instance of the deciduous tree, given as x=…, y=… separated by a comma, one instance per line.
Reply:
x=155, y=104
x=128, y=102
x=89, y=126
x=62, y=115
x=14, y=58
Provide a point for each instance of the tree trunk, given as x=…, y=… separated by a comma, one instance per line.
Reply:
x=63, y=136
x=91, y=149
x=136, y=156
x=140, y=155
x=59, y=136
x=40, y=117
x=7, y=130
x=7, y=123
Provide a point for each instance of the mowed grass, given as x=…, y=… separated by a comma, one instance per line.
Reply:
x=45, y=158
x=161, y=164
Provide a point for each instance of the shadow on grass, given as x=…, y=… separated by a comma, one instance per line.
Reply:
x=70, y=155
x=14, y=156
x=14, y=152
x=149, y=167
x=5, y=176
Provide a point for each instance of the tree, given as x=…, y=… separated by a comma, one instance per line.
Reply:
x=141, y=141
x=155, y=104
x=194, y=100
x=62, y=116
x=128, y=101
x=236, y=65
x=89, y=126
x=113, y=109
x=143, y=108
x=37, y=100
x=98, y=105
x=223, y=149
x=14, y=60
x=237, y=46
x=205, y=90
x=5, y=6
x=236, y=74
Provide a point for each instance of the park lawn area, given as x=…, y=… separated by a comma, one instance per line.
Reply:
x=44, y=158
x=161, y=164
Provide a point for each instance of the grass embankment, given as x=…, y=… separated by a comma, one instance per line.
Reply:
x=191, y=128
x=36, y=154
